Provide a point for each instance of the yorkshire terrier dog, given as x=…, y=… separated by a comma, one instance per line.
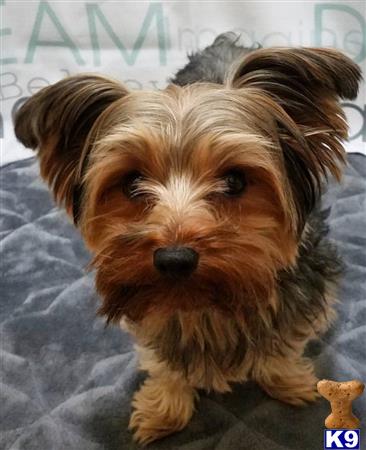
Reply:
x=200, y=204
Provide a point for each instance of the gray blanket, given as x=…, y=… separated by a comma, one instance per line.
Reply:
x=67, y=381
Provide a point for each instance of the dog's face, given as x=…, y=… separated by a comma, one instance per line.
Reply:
x=186, y=200
x=194, y=196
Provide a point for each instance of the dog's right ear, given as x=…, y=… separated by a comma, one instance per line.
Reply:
x=304, y=87
x=57, y=122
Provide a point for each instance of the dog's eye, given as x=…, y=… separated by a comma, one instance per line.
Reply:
x=235, y=182
x=130, y=184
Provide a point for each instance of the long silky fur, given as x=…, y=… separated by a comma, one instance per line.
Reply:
x=266, y=279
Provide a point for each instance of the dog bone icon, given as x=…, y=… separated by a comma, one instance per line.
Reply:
x=340, y=396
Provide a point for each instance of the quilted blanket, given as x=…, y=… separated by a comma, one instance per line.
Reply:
x=67, y=380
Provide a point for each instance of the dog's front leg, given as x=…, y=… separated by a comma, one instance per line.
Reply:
x=163, y=405
x=290, y=378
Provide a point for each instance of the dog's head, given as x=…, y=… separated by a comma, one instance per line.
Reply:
x=197, y=195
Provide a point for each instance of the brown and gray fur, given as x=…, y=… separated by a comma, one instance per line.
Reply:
x=143, y=171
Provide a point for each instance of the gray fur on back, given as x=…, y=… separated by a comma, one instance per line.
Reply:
x=212, y=63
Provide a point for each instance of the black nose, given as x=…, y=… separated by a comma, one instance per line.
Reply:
x=175, y=261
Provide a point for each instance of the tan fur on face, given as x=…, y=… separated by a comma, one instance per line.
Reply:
x=184, y=202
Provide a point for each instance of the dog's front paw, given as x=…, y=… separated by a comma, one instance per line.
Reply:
x=147, y=426
x=160, y=408
x=295, y=392
x=291, y=381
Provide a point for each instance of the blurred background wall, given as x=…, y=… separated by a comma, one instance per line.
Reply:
x=142, y=43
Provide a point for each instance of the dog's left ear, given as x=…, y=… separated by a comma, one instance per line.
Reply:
x=58, y=122
x=304, y=86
